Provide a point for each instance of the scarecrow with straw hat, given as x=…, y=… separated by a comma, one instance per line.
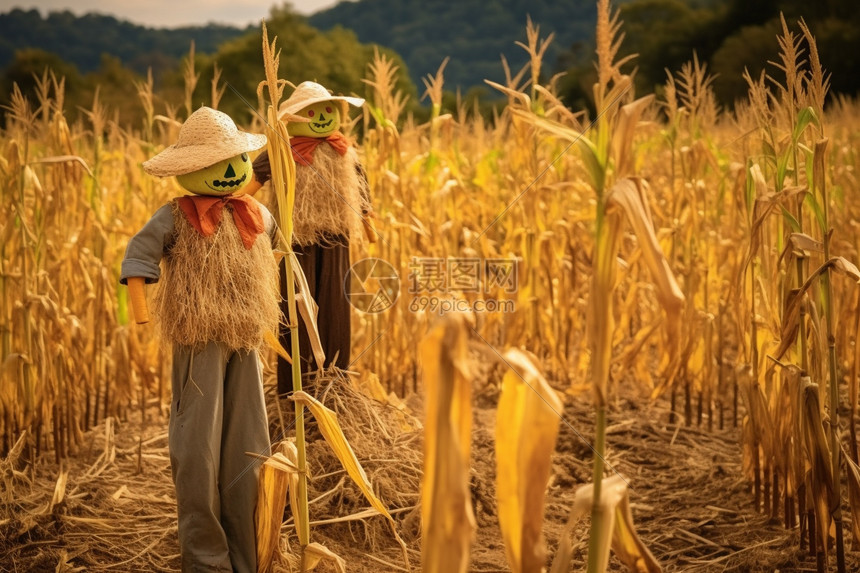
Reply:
x=331, y=207
x=218, y=297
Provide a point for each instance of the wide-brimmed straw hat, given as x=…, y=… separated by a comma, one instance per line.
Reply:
x=308, y=93
x=207, y=137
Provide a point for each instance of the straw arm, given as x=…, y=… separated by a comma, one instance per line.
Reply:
x=137, y=296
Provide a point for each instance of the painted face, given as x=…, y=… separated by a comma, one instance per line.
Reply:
x=221, y=179
x=324, y=120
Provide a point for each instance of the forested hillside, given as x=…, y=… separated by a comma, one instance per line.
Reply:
x=473, y=33
x=122, y=53
x=728, y=37
x=82, y=40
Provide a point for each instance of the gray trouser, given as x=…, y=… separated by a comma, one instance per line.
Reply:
x=218, y=413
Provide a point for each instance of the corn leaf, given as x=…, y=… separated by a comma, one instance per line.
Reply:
x=527, y=423
x=277, y=474
x=630, y=196
x=447, y=521
x=626, y=543
x=818, y=454
x=330, y=429
x=623, y=140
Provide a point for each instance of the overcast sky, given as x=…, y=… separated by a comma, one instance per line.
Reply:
x=171, y=13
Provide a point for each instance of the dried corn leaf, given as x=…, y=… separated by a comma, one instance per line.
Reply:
x=447, y=522
x=792, y=308
x=307, y=307
x=803, y=242
x=330, y=429
x=59, y=491
x=316, y=554
x=527, y=423
x=626, y=543
x=622, y=140
x=818, y=455
x=631, y=196
x=617, y=531
x=65, y=159
x=272, y=340
x=785, y=427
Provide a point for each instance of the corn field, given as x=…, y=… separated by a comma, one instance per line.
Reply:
x=665, y=248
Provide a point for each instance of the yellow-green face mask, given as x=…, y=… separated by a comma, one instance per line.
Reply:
x=223, y=178
x=324, y=120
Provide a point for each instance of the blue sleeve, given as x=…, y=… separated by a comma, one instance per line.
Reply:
x=146, y=248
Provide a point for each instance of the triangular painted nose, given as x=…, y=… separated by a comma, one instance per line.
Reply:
x=229, y=173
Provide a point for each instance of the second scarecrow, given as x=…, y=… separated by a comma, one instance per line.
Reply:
x=331, y=202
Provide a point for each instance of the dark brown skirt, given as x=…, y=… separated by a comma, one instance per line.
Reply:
x=325, y=269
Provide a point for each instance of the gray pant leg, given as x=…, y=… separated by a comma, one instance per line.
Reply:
x=195, y=456
x=245, y=430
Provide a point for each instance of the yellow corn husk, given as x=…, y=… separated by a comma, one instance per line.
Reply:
x=527, y=423
x=447, y=521
x=278, y=476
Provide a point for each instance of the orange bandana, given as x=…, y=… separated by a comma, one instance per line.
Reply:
x=303, y=147
x=204, y=214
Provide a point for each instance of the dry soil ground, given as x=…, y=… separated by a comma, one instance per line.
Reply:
x=111, y=507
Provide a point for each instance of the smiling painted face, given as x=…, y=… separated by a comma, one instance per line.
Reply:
x=223, y=178
x=324, y=119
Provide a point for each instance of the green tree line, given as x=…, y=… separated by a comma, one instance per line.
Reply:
x=99, y=54
x=729, y=37
x=334, y=58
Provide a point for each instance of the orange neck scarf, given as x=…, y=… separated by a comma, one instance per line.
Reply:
x=303, y=146
x=204, y=214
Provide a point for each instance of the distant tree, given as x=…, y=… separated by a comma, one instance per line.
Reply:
x=117, y=91
x=28, y=65
x=334, y=58
x=728, y=37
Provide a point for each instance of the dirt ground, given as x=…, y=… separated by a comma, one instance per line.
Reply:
x=111, y=507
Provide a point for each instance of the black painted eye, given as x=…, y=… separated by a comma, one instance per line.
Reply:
x=244, y=157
